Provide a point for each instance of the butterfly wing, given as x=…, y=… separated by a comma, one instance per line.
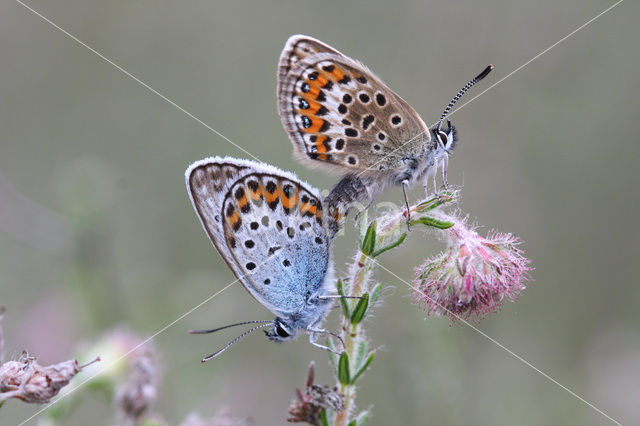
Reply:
x=339, y=114
x=267, y=226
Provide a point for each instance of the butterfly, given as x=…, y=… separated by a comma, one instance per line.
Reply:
x=341, y=117
x=267, y=226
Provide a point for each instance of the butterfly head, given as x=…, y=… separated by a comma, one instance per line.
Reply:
x=280, y=331
x=446, y=138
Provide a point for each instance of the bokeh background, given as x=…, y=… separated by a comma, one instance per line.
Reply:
x=96, y=228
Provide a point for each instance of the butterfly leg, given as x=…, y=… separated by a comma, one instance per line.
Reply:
x=312, y=339
x=445, y=165
x=405, y=184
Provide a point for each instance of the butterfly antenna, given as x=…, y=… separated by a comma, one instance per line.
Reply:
x=338, y=296
x=213, y=330
x=228, y=345
x=462, y=91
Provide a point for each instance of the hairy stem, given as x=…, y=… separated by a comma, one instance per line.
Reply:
x=353, y=334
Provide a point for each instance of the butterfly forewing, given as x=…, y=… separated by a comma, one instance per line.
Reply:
x=267, y=225
x=338, y=113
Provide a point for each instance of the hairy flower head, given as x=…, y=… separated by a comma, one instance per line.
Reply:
x=473, y=275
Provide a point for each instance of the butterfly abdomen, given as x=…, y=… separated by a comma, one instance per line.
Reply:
x=352, y=191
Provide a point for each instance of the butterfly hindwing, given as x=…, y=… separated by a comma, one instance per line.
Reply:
x=338, y=113
x=267, y=226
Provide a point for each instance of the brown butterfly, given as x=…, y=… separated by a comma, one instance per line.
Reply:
x=343, y=118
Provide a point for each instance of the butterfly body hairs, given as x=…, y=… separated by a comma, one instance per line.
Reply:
x=343, y=118
x=267, y=226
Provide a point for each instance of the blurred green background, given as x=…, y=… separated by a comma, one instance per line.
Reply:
x=97, y=231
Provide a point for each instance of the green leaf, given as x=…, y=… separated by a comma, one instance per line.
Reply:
x=343, y=369
x=362, y=418
x=390, y=246
x=369, y=240
x=375, y=294
x=360, y=351
x=343, y=301
x=363, y=218
x=437, y=201
x=361, y=308
x=323, y=417
x=352, y=423
x=430, y=221
x=333, y=358
x=364, y=367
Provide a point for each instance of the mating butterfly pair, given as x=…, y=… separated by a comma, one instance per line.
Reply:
x=270, y=227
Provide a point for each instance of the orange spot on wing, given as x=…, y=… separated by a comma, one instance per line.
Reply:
x=255, y=195
x=320, y=148
x=288, y=203
x=304, y=207
x=337, y=74
x=316, y=125
x=272, y=197
x=243, y=201
x=313, y=92
x=320, y=81
x=233, y=219
x=313, y=107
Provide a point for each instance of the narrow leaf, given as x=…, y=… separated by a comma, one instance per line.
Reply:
x=362, y=418
x=333, y=358
x=430, y=221
x=360, y=309
x=390, y=246
x=369, y=240
x=360, y=351
x=375, y=294
x=343, y=301
x=363, y=218
x=364, y=367
x=343, y=369
x=323, y=417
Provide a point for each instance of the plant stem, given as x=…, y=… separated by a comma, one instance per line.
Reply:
x=353, y=334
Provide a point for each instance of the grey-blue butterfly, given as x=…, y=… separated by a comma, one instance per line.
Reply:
x=267, y=226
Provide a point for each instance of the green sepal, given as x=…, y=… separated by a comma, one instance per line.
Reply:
x=369, y=241
x=361, y=308
x=390, y=246
x=343, y=301
x=430, y=221
x=343, y=368
x=364, y=367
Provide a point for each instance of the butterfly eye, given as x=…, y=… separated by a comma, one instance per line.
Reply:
x=443, y=138
x=282, y=331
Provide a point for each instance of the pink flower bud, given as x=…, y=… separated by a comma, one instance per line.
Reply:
x=474, y=274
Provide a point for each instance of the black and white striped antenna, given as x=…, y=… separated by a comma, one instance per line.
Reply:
x=263, y=323
x=462, y=91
